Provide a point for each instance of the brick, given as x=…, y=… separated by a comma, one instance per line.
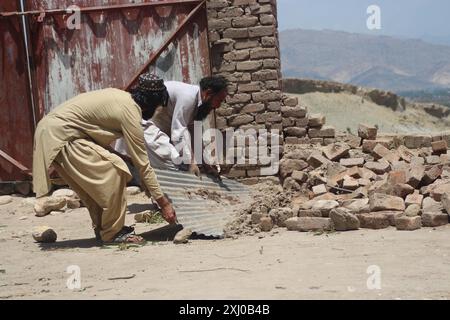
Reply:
x=352, y=162
x=404, y=223
x=294, y=112
x=265, y=75
x=367, y=132
x=267, y=19
x=336, y=151
x=433, y=220
x=432, y=174
x=324, y=132
x=415, y=175
x=415, y=198
x=239, y=98
x=295, y=132
x=417, y=141
x=248, y=65
x=245, y=21
x=383, y=202
x=317, y=160
x=237, y=55
x=316, y=120
x=381, y=151
x=249, y=87
x=268, y=117
x=374, y=221
x=369, y=145
x=379, y=167
x=263, y=53
x=320, y=189
x=288, y=166
x=253, y=108
x=266, y=96
x=266, y=224
x=254, y=32
x=236, y=33
x=306, y=224
x=241, y=119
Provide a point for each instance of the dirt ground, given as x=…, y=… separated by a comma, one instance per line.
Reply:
x=278, y=265
x=344, y=111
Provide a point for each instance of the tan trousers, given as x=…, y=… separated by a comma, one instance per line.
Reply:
x=100, y=185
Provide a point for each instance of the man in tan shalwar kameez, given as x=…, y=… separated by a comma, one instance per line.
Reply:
x=75, y=137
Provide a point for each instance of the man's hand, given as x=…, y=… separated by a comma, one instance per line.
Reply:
x=213, y=170
x=193, y=168
x=168, y=212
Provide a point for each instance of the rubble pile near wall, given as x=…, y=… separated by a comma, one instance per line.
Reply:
x=363, y=181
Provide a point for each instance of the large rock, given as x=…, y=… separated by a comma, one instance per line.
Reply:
x=432, y=220
x=413, y=210
x=316, y=160
x=358, y=205
x=43, y=206
x=403, y=190
x=373, y=221
x=288, y=166
x=432, y=206
x=182, y=236
x=415, y=175
x=266, y=224
x=305, y=224
x=415, y=198
x=44, y=234
x=383, y=202
x=64, y=193
x=343, y=220
x=438, y=191
x=280, y=215
x=405, y=223
x=5, y=200
x=324, y=206
x=391, y=216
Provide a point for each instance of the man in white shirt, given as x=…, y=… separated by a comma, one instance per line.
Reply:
x=168, y=133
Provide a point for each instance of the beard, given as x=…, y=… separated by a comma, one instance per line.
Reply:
x=203, y=111
x=148, y=113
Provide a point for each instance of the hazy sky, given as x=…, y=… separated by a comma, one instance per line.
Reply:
x=406, y=18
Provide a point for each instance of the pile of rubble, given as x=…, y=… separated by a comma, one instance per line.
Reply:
x=360, y=182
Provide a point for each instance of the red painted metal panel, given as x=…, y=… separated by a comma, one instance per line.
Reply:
x=111, y=46
x=16, y=119
x=107, y=50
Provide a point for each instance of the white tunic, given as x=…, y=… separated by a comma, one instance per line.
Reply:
x=169, y=125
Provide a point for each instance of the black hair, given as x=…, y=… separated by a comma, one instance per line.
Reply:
x=148, y=101
x=214, y=83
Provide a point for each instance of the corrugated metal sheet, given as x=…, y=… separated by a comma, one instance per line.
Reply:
x=195, y=204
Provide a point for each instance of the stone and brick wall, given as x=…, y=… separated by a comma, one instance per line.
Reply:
x=245, y=49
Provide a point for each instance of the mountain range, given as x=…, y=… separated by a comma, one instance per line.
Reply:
x=387, y=63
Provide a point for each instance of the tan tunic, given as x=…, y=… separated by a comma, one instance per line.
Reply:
x=101, y=117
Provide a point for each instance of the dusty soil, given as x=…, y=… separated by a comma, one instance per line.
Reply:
x=278, y=265
x=345, y=110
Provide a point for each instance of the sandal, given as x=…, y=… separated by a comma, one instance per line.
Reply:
x=126, y=235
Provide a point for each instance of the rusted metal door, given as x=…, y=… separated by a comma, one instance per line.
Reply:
x=16, y=118
x=108, y=46
x=112, y=43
